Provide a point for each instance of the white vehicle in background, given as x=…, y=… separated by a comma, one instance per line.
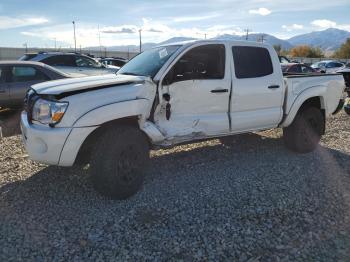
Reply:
x=327, y=66
x=168, y=95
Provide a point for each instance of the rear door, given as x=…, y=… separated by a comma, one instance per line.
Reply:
x=257, y=89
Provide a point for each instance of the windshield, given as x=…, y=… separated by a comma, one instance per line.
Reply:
x=149, y=62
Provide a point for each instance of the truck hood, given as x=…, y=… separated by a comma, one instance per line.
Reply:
x=58, y=87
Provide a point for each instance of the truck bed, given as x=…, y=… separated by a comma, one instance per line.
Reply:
x=329, y=86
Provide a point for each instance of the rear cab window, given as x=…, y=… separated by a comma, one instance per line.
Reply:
x=251, y=62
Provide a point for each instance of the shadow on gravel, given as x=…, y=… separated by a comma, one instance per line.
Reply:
x=246, y=196
x=10, y=122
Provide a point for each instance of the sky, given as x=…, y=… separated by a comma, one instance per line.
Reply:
x=48, y=23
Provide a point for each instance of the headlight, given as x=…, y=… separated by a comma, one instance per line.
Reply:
x=48, y=112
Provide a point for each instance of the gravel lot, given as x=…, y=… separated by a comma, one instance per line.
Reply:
x=249, y=200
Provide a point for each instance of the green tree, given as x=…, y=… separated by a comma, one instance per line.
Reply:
x=343, y=51
x=306, y=51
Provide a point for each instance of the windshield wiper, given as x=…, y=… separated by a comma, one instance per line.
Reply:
x=130, y=74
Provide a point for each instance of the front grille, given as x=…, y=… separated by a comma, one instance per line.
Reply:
x=29, y=101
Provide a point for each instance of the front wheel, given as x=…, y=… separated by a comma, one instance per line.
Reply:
x=118, y=162
x=305, y=132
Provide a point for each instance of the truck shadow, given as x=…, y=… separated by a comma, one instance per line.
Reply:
x=10, y=122
x=280, y=182
x=243, y=152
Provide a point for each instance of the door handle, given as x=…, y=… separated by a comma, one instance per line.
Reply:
x=219, y=91
x=274, y=86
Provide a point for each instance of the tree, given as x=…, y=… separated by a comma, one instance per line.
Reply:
x=344, y=50
x=306, y=51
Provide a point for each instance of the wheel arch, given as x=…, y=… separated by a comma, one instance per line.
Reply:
x=87, y=146
x=317, y=101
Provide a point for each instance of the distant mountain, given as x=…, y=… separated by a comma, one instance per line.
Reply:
x=257, y=37
x=329, y=39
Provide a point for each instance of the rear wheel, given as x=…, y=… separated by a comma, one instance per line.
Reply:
x=305, y=132
x=347, y=108
x=118, y=162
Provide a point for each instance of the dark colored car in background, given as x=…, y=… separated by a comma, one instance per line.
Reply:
x=16, y=77
x=71, y=63
x=296, y=68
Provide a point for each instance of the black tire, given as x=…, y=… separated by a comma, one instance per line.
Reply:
x=347, y=109
x=118, y=161
x=305, y=132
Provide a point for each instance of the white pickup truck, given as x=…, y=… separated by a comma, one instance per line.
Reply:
x=168, y=95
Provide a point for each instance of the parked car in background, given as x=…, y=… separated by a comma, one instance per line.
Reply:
x=283, y=59
x=16, y=77
x=296, y=68
x=71, y=63
x=119, y=62
x=327, y=66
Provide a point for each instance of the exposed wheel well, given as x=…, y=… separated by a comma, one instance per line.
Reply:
x=85, y=150
x=314, y=102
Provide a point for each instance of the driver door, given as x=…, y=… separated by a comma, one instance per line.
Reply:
x=195, y=95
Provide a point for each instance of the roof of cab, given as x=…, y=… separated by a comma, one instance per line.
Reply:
x=211, y=41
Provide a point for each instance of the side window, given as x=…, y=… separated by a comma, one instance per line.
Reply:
x=306, y=69
x=85, y=62
x=203, y=62
x=338, y=65
x=321, y=65
x=59, y=60
x=251, y=62
x=26, y=73
x=297, y=69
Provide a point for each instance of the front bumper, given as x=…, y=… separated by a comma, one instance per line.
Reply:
x=43, y=143
x=53, y=146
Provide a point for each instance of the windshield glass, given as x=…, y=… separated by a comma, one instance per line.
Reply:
x=149, y=62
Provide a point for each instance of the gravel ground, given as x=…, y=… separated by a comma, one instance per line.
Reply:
x=248, y=200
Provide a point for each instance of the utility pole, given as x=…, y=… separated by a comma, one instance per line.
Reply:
x=262, y=38
x=75, y=39
x=26, y=47
x=140, y=40
x=99, y=39
x=247, y=33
